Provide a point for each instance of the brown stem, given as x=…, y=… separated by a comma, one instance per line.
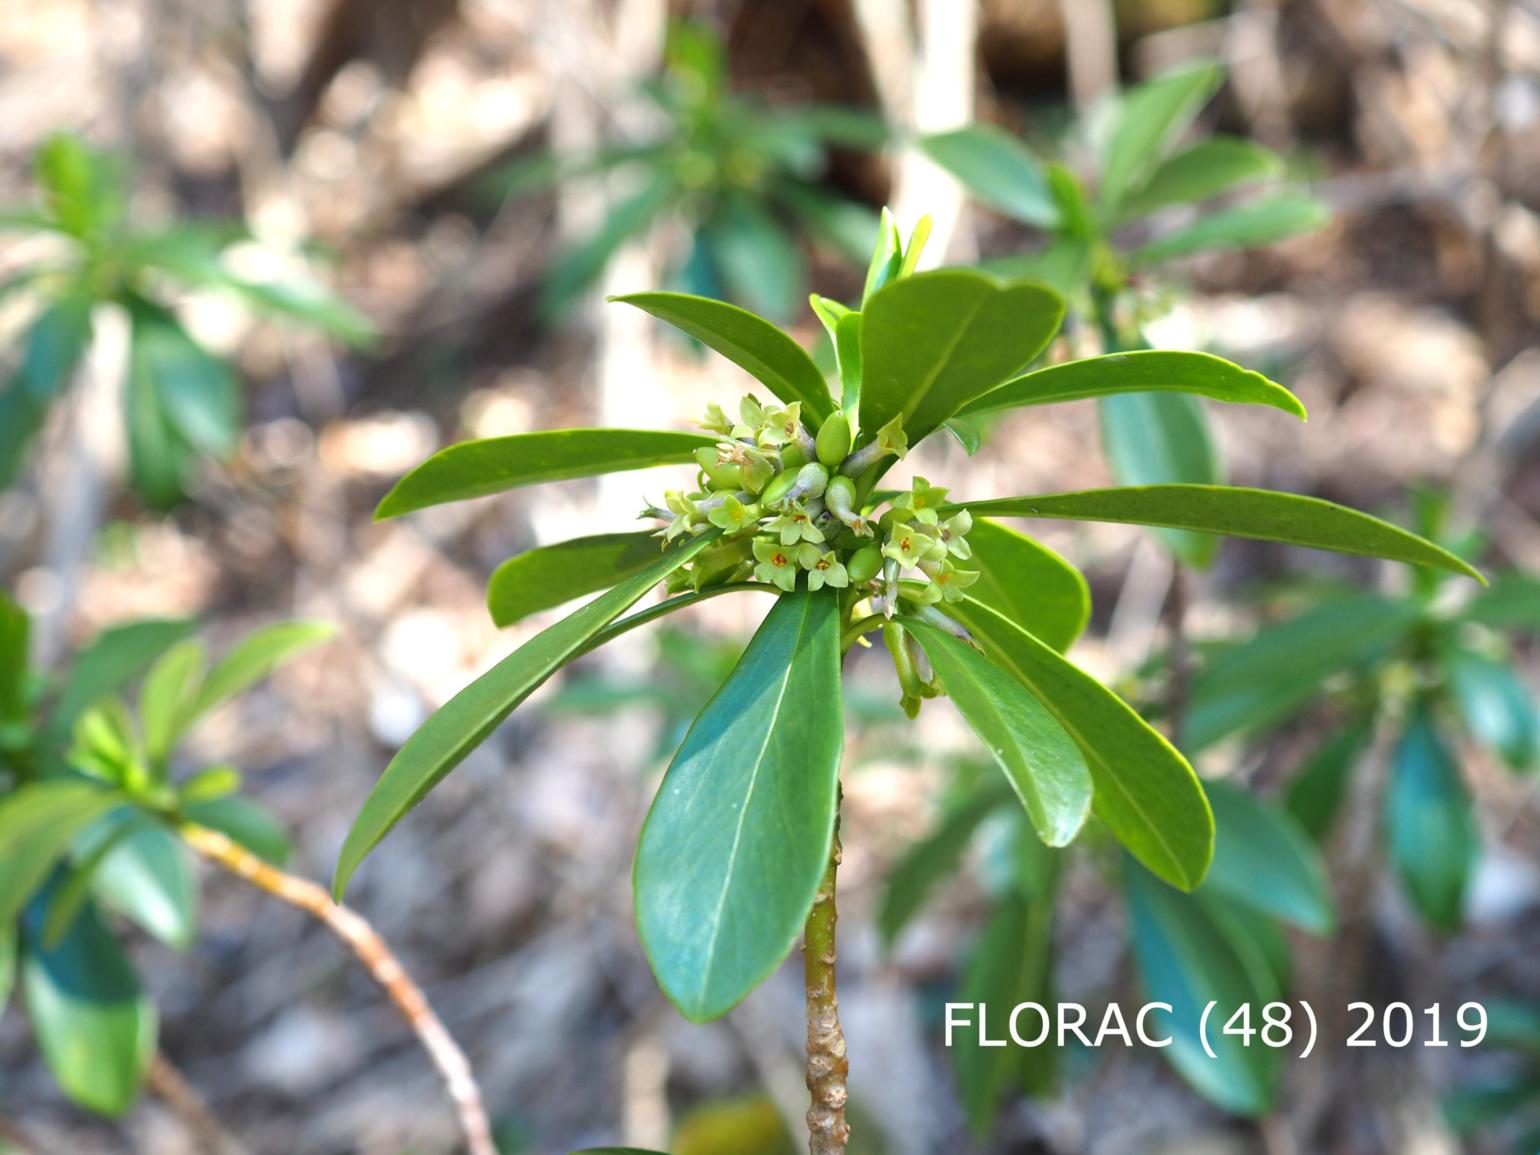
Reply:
x=827, y=1066
x=177, y=1093
x=370, y=949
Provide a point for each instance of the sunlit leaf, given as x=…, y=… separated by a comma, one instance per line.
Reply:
x=1202, y=171
x=997, y=169
x=550, y=575
x=1246, y=226
x=1147, y=122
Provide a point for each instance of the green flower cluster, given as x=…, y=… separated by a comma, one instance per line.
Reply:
x=790, y=503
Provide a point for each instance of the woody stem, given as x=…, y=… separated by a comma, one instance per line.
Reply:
x=827, y=1066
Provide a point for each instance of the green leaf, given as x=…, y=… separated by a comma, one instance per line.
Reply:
x=966, y=433
x=1157, y=439
x=997, y=169
x=1012, y=964
x=38, y=822
x=759, y=261
x=1429, y=825
x=1264, y=861
x=1062, y=264
x=1261, y=682
x=1316, y=796
x=575, y=271
x=1187, y=959
x=82, y=186
x=195, y=391
x=1223, y=509
x=1142, y=371
x=7, y=964
x=844, y=126
x=1512, y=603
x=933, y=342
x=495, y=464
x=15, y=661
x=1042, y=763
x=1145, y=791
x=1247, y=226
x=167, y=694
x=1147, y=122
x=1025, y=581
x=73, y=885
x=1497, y=706
x=846, y=226
x=1205, y=170
x=911, y=881
x=737, y=840
x=467, y=719
x=159, y=460
x=54, y=345
x=245, y=822
x=254, y=658
x=109, y=662
x=550, y=575
x=748, y=341
x=148, y=878
x=94, y=1024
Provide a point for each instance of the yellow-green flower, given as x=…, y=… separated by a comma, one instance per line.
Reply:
x=777, y=564
x=823, y=568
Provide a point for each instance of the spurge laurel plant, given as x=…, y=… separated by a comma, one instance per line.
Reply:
x=739, y=853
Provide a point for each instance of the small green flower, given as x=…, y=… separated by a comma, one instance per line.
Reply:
x=758, y=467
x=948, y=580
x=922, y=501
x=823, y=568
x=751, y=419
x=780, y=425
x=777, y=564
x=716, y=421
x=892, y=439
x=732, y=515
x=795, y=525
x=954, y=531
x=908, y=545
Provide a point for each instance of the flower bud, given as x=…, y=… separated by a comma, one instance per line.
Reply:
x=812, y=480
x=780, y=485
x=840, y=497
x=864, y=564
x=833, y=444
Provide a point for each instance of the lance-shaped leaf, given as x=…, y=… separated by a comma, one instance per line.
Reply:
x=1432, y=833
x=1264, y=861
x=254, y=658
x=1042, y=763
x=933, y=342
x=1513, y=603
x=1205, y=170
x=735, y=846
x=997, y=169
x=1141, y=371
x=147, y=877
x=1145, y=791
x=748, y=341
x=1498, y=707
x=1187, y=959
x=1263, y=681
x=1262, y=514
x=1148, y=120
x=574, y=271
x=759, y=262
x=539, y=579
x=15, y=629
x=111, y=660
x=1244, y=227
x=1316, y=796
x=495, y=464
x=37, y=824
x=94, y=1024
x=929, y=860
x=1028, y=583
x=195, y=392
x=1161, y=439
x=465, y=721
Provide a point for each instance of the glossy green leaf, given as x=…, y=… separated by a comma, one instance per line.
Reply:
x=760, y=263
x=467, y=719
x=1012, y=964
x=1261, y=682
x=83, y=187
x=15, y=660
x=1262, y=514
x=1430, y=827
x=1141, y=371
x=735, y=846
x=1205, y=170
x=1158, y=439
x=1498, y=707
x=245, y=822
x=167, y=695
x=94, y=1024
x=750, y=342
x=496, y=464
x=147, y=877
x=1263, y=860
x=52, y=350
x=195, y=391
x=933, y=342
x=1145, y=791
x=966, y=433
x=1512, y=603
x=847, y=349
x=550, y=575
x=1187, y=960
x=38, y=822
x=109, y=662
x=1246, y=226
x=254, y=658
x=1316, y=796
x=576, y=270
x=1042, y=763
x=915, y=876
x=1148, y=120
x=997, y=169
x=1030, y=584
x=159, y=460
